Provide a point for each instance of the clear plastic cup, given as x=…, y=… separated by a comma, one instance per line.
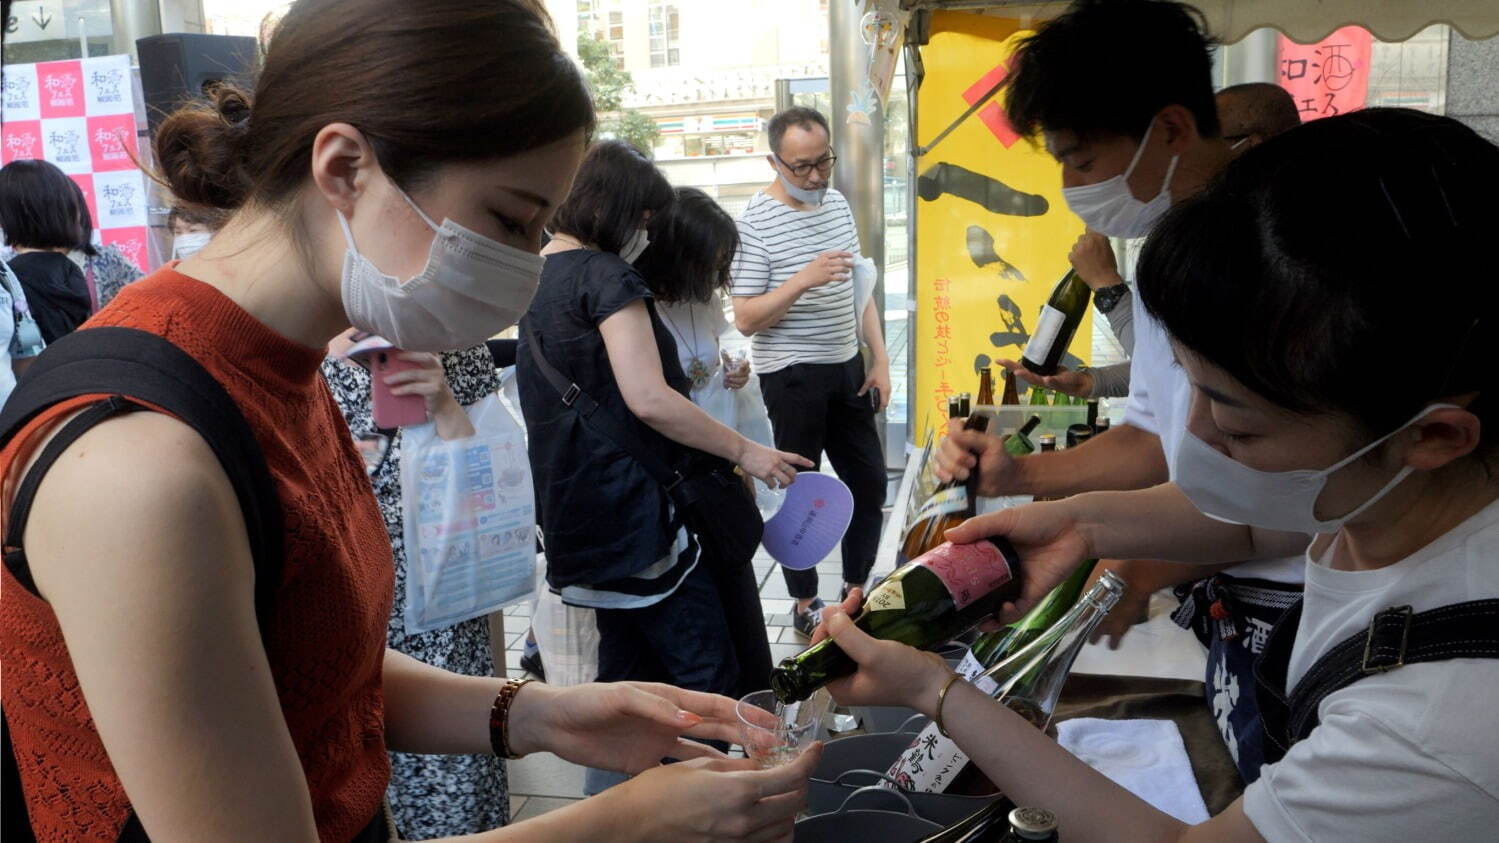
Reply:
x=773, y=734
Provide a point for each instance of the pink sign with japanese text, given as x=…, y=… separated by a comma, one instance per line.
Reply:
x=80, y=115
x=1328, y=77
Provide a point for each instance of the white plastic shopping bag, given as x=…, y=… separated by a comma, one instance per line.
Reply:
x=568, y=637
x=470, y=516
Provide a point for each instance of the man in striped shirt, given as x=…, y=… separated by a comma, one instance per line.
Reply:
x=794, y=296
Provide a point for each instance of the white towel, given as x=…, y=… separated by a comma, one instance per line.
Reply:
x=1145, y=757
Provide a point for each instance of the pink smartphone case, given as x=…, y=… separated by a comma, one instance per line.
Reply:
x=393, y=410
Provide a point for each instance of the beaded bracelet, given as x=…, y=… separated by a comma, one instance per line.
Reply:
x=499, y=718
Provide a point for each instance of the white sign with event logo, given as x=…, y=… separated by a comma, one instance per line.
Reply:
x=21, y=101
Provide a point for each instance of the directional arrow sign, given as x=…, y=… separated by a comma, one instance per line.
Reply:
x=35, y=20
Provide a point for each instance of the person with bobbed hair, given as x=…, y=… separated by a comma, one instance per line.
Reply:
x=393, y=171
x=687, y=270
x=42, y=223
x=613, y=540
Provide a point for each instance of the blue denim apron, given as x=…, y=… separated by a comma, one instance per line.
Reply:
x=1232, y=617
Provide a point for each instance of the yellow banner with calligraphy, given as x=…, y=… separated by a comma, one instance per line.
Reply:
x=992, y=230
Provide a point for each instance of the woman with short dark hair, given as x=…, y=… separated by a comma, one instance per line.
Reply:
x=42, y=223
x=613, y=541
x=687, y=270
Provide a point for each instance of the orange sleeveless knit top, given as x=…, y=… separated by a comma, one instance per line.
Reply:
x=326, y=641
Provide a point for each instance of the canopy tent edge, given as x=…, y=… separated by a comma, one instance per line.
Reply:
x=1301, y=21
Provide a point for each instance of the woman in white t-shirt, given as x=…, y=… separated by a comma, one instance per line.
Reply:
x=687, y=270
x=1327, y=296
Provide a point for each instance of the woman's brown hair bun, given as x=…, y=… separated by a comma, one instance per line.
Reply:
x=200, y=150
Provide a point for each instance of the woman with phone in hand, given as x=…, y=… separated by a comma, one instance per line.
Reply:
x=393, y=171
x=430, y=795
x=614, y=541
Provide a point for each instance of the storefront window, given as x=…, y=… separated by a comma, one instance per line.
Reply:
x=1411, y=73
x=616, y=36
x=663, y=32
x=56, y=30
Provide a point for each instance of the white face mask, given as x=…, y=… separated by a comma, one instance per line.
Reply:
x=635, y=246
x=1111, y=210
x=189, y=243
x=1227, y=490
x=471, y=289
x=802, y=194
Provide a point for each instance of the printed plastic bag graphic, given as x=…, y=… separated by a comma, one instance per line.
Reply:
x=470, y=520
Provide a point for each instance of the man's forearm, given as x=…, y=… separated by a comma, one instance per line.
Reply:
x=874, y=334
x=1110, y=381
x=1126, y=457
x=753, y=314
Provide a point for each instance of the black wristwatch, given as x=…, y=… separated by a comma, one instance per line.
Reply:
x=1109, y=297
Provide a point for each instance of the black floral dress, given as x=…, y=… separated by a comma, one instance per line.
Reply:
x=431, y=795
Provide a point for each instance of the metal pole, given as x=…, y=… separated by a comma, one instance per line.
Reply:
x=915, y=75
x=1251, y=59
x=132, y=19
x=859, y=173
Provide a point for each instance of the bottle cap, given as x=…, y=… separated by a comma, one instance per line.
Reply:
x=1033, y=823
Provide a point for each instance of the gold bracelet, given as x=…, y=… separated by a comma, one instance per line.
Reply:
x=499, y=718
x=941, y=699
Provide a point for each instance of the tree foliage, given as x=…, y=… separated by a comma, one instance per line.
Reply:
x=609, y=85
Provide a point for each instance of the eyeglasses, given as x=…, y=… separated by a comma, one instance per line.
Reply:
x=822, y=165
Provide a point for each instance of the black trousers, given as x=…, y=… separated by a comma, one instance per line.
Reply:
x=814, y=407
x=740, y=594
x=682, y=640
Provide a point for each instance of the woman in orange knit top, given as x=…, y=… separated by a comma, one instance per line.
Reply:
x=394, y=172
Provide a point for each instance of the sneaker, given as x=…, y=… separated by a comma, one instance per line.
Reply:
x=530, y=660
x=807, y=621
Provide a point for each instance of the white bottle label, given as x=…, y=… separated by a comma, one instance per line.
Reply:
x=929, y=764
x=1045, y=335
x=970, y=668
x=889, y=595
x=942, y=503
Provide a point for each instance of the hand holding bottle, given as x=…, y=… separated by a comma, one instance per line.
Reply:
x=1078, y=384
x=889, y=673
x=966, y=451
x=1045, y=535
x=1093, y=259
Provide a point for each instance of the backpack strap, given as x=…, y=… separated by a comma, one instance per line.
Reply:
x=1395, y=637
x=138, y=371
x=604, y=424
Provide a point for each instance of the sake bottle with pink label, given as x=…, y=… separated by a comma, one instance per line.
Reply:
x=925, y=602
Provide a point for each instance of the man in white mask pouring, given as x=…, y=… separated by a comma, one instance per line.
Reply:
x=1131, y=145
